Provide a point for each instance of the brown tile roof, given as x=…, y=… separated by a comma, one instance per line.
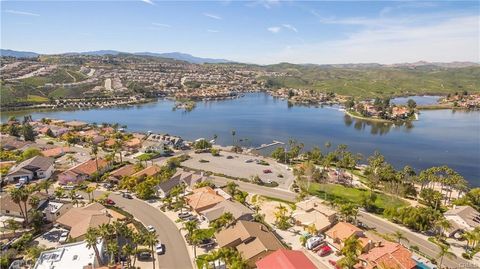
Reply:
x=6, y=202
x=134, y=142
x=81, y=218
x=203, y=198
x=250, y=238
x=342, y=231
x=55, y=152
x=389, y=255
x=89, y=167
x=126, y=170
x=149, y=171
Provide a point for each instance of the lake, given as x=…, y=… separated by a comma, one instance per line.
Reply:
x=439, y=137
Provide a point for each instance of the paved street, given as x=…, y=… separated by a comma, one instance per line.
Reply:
x=176, y=254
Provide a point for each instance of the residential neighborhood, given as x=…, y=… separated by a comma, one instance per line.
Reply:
x=98, y=196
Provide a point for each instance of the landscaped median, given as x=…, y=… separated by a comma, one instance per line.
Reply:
x=334, y=192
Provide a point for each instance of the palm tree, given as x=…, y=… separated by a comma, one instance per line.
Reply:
x=441, y=225
x=233, y=137
x=190, y=226
x=351, y=249
x=349, y=211
x=73, y=196
x=232, y=188
x=151, y=240
x=19, y=196
x=444, y=252
x=95, y=153
x=118, y=148
x=89, y=191
x=45, y=185
x=91, y=237
x=137, y=239
x=112, y=248
x=399, y=236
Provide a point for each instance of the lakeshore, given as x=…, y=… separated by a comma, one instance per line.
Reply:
x=439, y=137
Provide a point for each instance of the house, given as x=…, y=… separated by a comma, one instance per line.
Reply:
x=54, y=210
x=252, y=239
x=239, y=211
x=203, y=199
x=191, y=179
x=387, y=255
x=38, y=167
x=83, y=171
x=72, y=256
x=133, y=144
x=15, y=144
x=341, y=231
x=461, y=218
x=124, y=171
x=55, y=152
x=400, y=112
x=152, y=170
x=76, y=124
x=286, y=259
x=79, y=219
x=9, y=208
x=314, y=212
x=164, y=188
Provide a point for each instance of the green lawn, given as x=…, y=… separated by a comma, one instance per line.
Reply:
x=36, y=98
x=338, y=192
x=200, y=261
x=206, y=233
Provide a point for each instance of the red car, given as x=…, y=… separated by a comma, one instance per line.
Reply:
x=324, y=251
x=109, y=201
x=267, y=171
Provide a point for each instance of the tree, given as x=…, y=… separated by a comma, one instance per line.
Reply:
x=233, y=137
x=151, y=240
x=89, y=191
x=202, y=144
x=30, y=153
x=351, y=249
x=12, y=225
x=190, y=226
x=399, y=236
x=91, y=238
x=282, y=217
x=411, y=104
x=431, y=197
x=232, y=188
x=45, y=185
x=20, y=196
x=13, y=130
x=95, y=153
x=28, y=133
x=225, y=220
x=349, y=212
x=444, y=252
x=367, y=201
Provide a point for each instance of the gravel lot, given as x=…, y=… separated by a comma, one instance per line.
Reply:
x=238, y=167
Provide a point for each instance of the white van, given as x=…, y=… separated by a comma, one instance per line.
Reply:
x=313, y=242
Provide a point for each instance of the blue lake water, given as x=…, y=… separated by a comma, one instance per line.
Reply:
x=439, y=137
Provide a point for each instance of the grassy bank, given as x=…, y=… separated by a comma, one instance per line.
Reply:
x=333, y=192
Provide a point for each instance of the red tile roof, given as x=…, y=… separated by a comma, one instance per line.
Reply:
x=389, y=255
x=286, y=259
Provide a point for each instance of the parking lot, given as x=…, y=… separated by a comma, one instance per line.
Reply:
x=242, y=166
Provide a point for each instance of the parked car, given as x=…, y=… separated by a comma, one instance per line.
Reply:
x=324, y=251
x=109, y=201
x=313, y=242
x=127, y=196
x=144, y=255
x=108, y=185
x=160, y=249
x=267, y=171
x=249, y=161
x=63, y=237
x=150, y=228
x=68, y=187
x=78, y=196
x=184, y=215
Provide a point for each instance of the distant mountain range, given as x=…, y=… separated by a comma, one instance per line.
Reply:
x=199, y=60
x=170, y=55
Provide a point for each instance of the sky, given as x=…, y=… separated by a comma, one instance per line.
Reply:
x=261, y=32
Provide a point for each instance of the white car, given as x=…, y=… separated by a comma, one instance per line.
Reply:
x=150, y=228
x=63, y=237
x=160, y=249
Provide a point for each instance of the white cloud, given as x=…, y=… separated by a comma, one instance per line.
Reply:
x=150, y=2
x=212, y=16
x=212, y=31
x=274, y=29
x=291, y=27
x=24, y=13
x=268, y=4
x=161, y=25
x=452, y=39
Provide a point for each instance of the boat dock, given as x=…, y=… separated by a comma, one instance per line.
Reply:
x=274, y=143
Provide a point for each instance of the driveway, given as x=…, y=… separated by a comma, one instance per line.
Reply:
x=176, y=254
x=238, y=167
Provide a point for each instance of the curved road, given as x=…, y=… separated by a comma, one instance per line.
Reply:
x=176, y=255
